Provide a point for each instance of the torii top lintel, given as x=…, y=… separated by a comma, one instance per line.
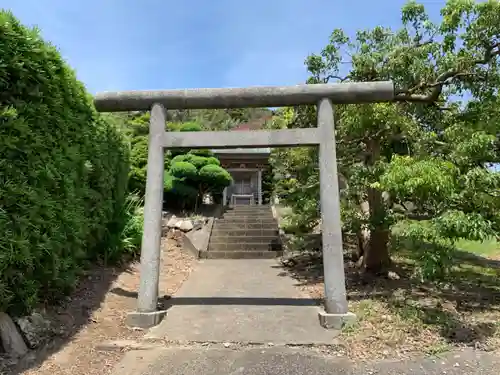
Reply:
x=259, y=96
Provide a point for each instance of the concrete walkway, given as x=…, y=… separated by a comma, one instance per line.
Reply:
x=243, y=301
x=226, y=305
x=294, y=361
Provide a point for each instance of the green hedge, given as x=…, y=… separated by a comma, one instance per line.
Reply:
x=63, y=173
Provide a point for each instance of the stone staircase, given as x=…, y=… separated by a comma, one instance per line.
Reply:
x=244, y=232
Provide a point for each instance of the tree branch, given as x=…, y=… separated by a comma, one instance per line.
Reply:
x=341, y=79
x=444, y=79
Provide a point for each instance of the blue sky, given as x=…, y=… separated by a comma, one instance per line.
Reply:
x=154, y=44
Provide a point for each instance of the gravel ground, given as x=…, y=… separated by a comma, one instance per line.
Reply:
x=97, y=311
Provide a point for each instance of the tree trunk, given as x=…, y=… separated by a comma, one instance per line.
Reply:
x=376, y=253
x=360, y=248
x=373, y=251
x=373, y=240
x=376, y=259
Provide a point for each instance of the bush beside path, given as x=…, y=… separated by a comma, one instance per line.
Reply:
x=95, y=313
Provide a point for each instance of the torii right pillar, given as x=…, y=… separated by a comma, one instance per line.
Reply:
x=335, y=314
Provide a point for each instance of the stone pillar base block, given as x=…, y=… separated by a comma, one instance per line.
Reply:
x=336, y=321
x=145, y=319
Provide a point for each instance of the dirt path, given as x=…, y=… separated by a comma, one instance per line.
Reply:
x=97, y=312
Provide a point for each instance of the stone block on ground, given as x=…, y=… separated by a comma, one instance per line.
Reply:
x=185, y=225
x=36, y=328
x=172, y=222
x=12, y=341
x=198, y=224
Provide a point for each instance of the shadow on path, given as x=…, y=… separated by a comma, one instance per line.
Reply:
x=477, y=260
x=166, y=302
x=241, y=301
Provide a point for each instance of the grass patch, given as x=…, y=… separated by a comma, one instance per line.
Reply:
x=400, y=315
x=488, y=248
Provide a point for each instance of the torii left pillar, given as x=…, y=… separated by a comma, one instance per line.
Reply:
x=147, y=314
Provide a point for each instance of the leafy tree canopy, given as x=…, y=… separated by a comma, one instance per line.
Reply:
x=423, y=159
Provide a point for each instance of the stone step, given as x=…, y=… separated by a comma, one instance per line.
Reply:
x=250, y=219
x=240, y=254
x=247, y=207
x=244, y=239
x=231, y=225
x=230, y=231
x=246, y=219
x=247, y=246
x=248, y=213
x=254, y=215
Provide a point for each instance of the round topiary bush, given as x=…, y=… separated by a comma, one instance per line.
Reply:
x=191, y=176
x=63, y=173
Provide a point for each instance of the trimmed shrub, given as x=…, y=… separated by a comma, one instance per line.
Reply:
x=63, y=173
x=191, y=176
x=214, y=176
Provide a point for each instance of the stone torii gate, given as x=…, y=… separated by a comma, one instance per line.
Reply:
x=324, y=96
